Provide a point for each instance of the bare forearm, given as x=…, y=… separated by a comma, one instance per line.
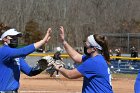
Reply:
x=71, y=74
x=39, y=44
x=72, y=53
x=64, y=72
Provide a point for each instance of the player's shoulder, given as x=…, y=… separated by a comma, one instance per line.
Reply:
x=98, y=57
x=4, y=48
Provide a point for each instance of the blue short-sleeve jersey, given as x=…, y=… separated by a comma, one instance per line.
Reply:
x=137, y=84
x=96, y=75
x=11, y=63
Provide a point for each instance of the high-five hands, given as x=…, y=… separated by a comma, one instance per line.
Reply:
x=62, y=36
x=47, y=36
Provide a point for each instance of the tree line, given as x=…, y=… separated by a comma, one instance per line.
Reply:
x=79, y=18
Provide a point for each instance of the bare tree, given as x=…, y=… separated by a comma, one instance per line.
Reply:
x=79, y=17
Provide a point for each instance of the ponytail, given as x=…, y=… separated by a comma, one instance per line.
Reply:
x=102, y=41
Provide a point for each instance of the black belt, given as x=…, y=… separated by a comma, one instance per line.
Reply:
x=8, y=91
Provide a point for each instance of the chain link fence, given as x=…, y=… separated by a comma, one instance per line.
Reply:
x=124, y=41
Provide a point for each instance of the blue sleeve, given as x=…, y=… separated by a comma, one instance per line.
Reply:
x=137, y=84
x=84, y=58
x=21, y=52
x=25, y=68
x=88, y=68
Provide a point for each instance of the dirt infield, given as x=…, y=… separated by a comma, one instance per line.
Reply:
x=44, y=84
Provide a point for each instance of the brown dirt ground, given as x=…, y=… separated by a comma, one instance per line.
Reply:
x=44, y=84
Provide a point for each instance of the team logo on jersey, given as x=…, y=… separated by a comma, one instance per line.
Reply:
x=16, y=61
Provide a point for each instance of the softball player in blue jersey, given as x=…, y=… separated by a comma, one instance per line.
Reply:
x=12, y=61
x=93, y=66
x=137, y=84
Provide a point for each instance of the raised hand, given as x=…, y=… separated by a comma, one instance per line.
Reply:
x=44, y=40
x=62, y=36
x=47, y=36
